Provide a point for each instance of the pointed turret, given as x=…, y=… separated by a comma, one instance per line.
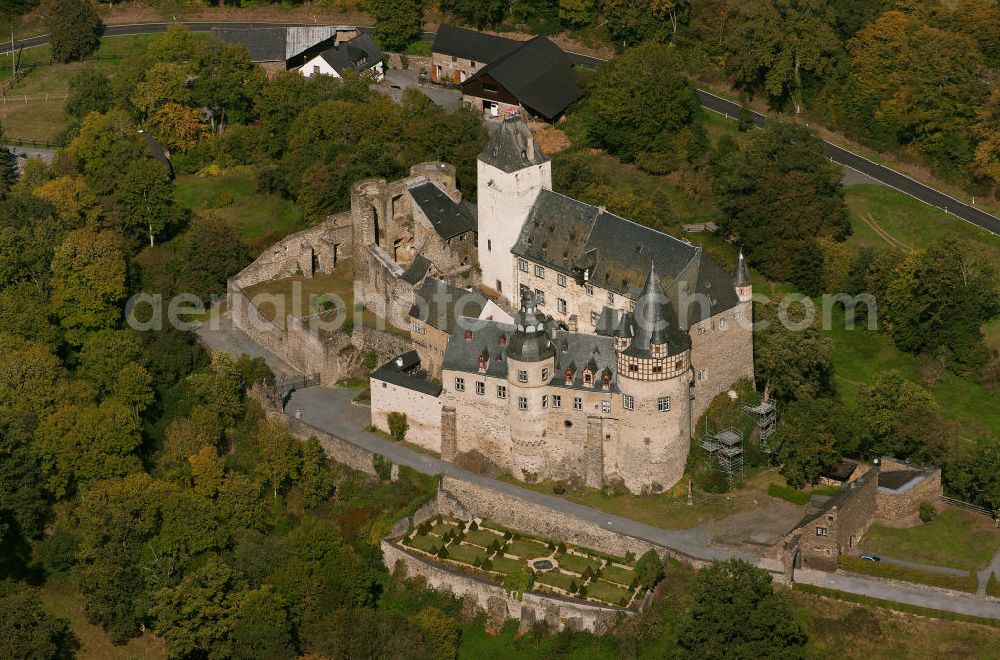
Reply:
x=741, y=281
x=530, y=341
x=653, y=331
x=512, y=147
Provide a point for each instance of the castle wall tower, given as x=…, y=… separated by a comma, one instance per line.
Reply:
x=530, y=368
x=653, y=358
x=511, y=171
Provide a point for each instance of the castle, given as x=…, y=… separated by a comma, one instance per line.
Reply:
x=548, y=336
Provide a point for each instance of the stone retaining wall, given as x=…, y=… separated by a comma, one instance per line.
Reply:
x=559, y=613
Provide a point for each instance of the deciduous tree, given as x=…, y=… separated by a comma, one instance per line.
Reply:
x=73, y=28
x=88, y=283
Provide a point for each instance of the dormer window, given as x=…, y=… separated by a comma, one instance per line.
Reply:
x=605, y=380
x=503, y=340
x=482, y=364
x=569, y=376
x=468, y=335
x=588, y=379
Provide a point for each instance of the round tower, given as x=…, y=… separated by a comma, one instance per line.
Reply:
x=530, y=365
x=653, y=357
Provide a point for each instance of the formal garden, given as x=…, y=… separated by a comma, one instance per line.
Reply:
x=531, y=563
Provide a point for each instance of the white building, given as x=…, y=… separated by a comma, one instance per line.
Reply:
x=359, y=54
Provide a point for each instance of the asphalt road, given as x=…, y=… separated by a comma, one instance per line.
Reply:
x=880, y=173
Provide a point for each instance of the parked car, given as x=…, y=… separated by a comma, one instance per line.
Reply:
x=870, y=557
x=422, y=77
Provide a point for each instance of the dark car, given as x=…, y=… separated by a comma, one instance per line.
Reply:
x=870, y=557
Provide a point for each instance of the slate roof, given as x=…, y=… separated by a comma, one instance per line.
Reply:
x=570, y=236
x=157, y=151
x=897, y=479
x=405, y=371
x=530, y=341
x=842, y=470
x=471, y=45
x=653, y=322
x=462, y=355
x=448, y=217
x=512, y=147
x=579, y=351
x=539, y=74
x=440, y=305
x=265, y=44
x=358, y=54
x=417, y=269
x=837, y=499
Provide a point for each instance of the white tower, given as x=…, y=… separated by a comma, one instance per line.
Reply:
x=511, y=171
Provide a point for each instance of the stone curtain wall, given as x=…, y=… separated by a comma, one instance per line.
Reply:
x=294, y=253
x=338, y=449
x=557, y=612
x=902, y=508
x=463, y=498
x=247, y=317
x=724, y=351
x=423, y=413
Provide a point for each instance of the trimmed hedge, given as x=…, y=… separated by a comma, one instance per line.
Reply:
x=968, y=583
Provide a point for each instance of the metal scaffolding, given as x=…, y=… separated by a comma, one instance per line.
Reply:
x=724, y=453
x=766, y=418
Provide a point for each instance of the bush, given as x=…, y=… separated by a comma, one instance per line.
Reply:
x=927, y=512
x=473, y=526
x=992, y=586
x=649, y=569
x=398, y=426
x=370, y=360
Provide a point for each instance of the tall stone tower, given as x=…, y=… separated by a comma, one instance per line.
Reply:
x=511, y=171
x=654, y=358
x=530, y=367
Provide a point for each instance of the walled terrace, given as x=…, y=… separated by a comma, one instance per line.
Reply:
x=484, y=549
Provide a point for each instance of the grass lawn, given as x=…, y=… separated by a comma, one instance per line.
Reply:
x=443, y=528
x=557, y=579
x=482, y=537
x=63, y=599
x=260, y=219
x=867, y=631
x=466, y=554
x=618, y=574
x=429, y=544
x=527, y=549
x=967, y=583
x=669, y=510
x=576, y=563
x=956, y=538
x=608, y=592
x=506, y=565
x=301, y=296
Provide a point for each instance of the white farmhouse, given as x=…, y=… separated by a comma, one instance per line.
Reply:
x=359, y=54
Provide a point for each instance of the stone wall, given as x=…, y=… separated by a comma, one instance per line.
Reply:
x=721, y=354
x=423, y=413
x=901, y=508
x=338, y=449
x=247, y=317
x=413, y=62
x=559, y=613
x=840, y=525
x=463, y=498
x=294, y=254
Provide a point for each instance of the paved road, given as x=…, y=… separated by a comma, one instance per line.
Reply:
x=708, y=100
x=984, y=575
x=910, y=595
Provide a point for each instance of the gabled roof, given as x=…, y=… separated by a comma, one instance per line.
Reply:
x=440, y=305
x=417, y=269
x=571, y=236
x=576, y=351
x=265, y=44
x=358, y=54
x=463, y=355
x=448, y=217
x=471, y=45
x=539, y=74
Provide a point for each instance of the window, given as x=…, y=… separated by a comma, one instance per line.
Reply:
x=611, y=298
x=416, y=326
x=545, y=401
x=658, y=369
x=821, y=531
x=501, y=391
x=459, y=384
x=489, y=245
x=605, y=406
x=663, y=404
x=736, y=316
x=545, y=374
x=577, y=403
x=557, y=401
x=540, y=296
x=594, y=317
x=722, y=323
x=628, y=402
x=522, y=403
x=383, y=386
x=522, y=265
x=561, y=305
x=703, y=374
x=480, y=387
x=522, y=376
x=590, y=290
x=701, y=330
x=454, y=59
x=472, y=62
x=588, y=379
x=539, y=271
x=561, y=279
